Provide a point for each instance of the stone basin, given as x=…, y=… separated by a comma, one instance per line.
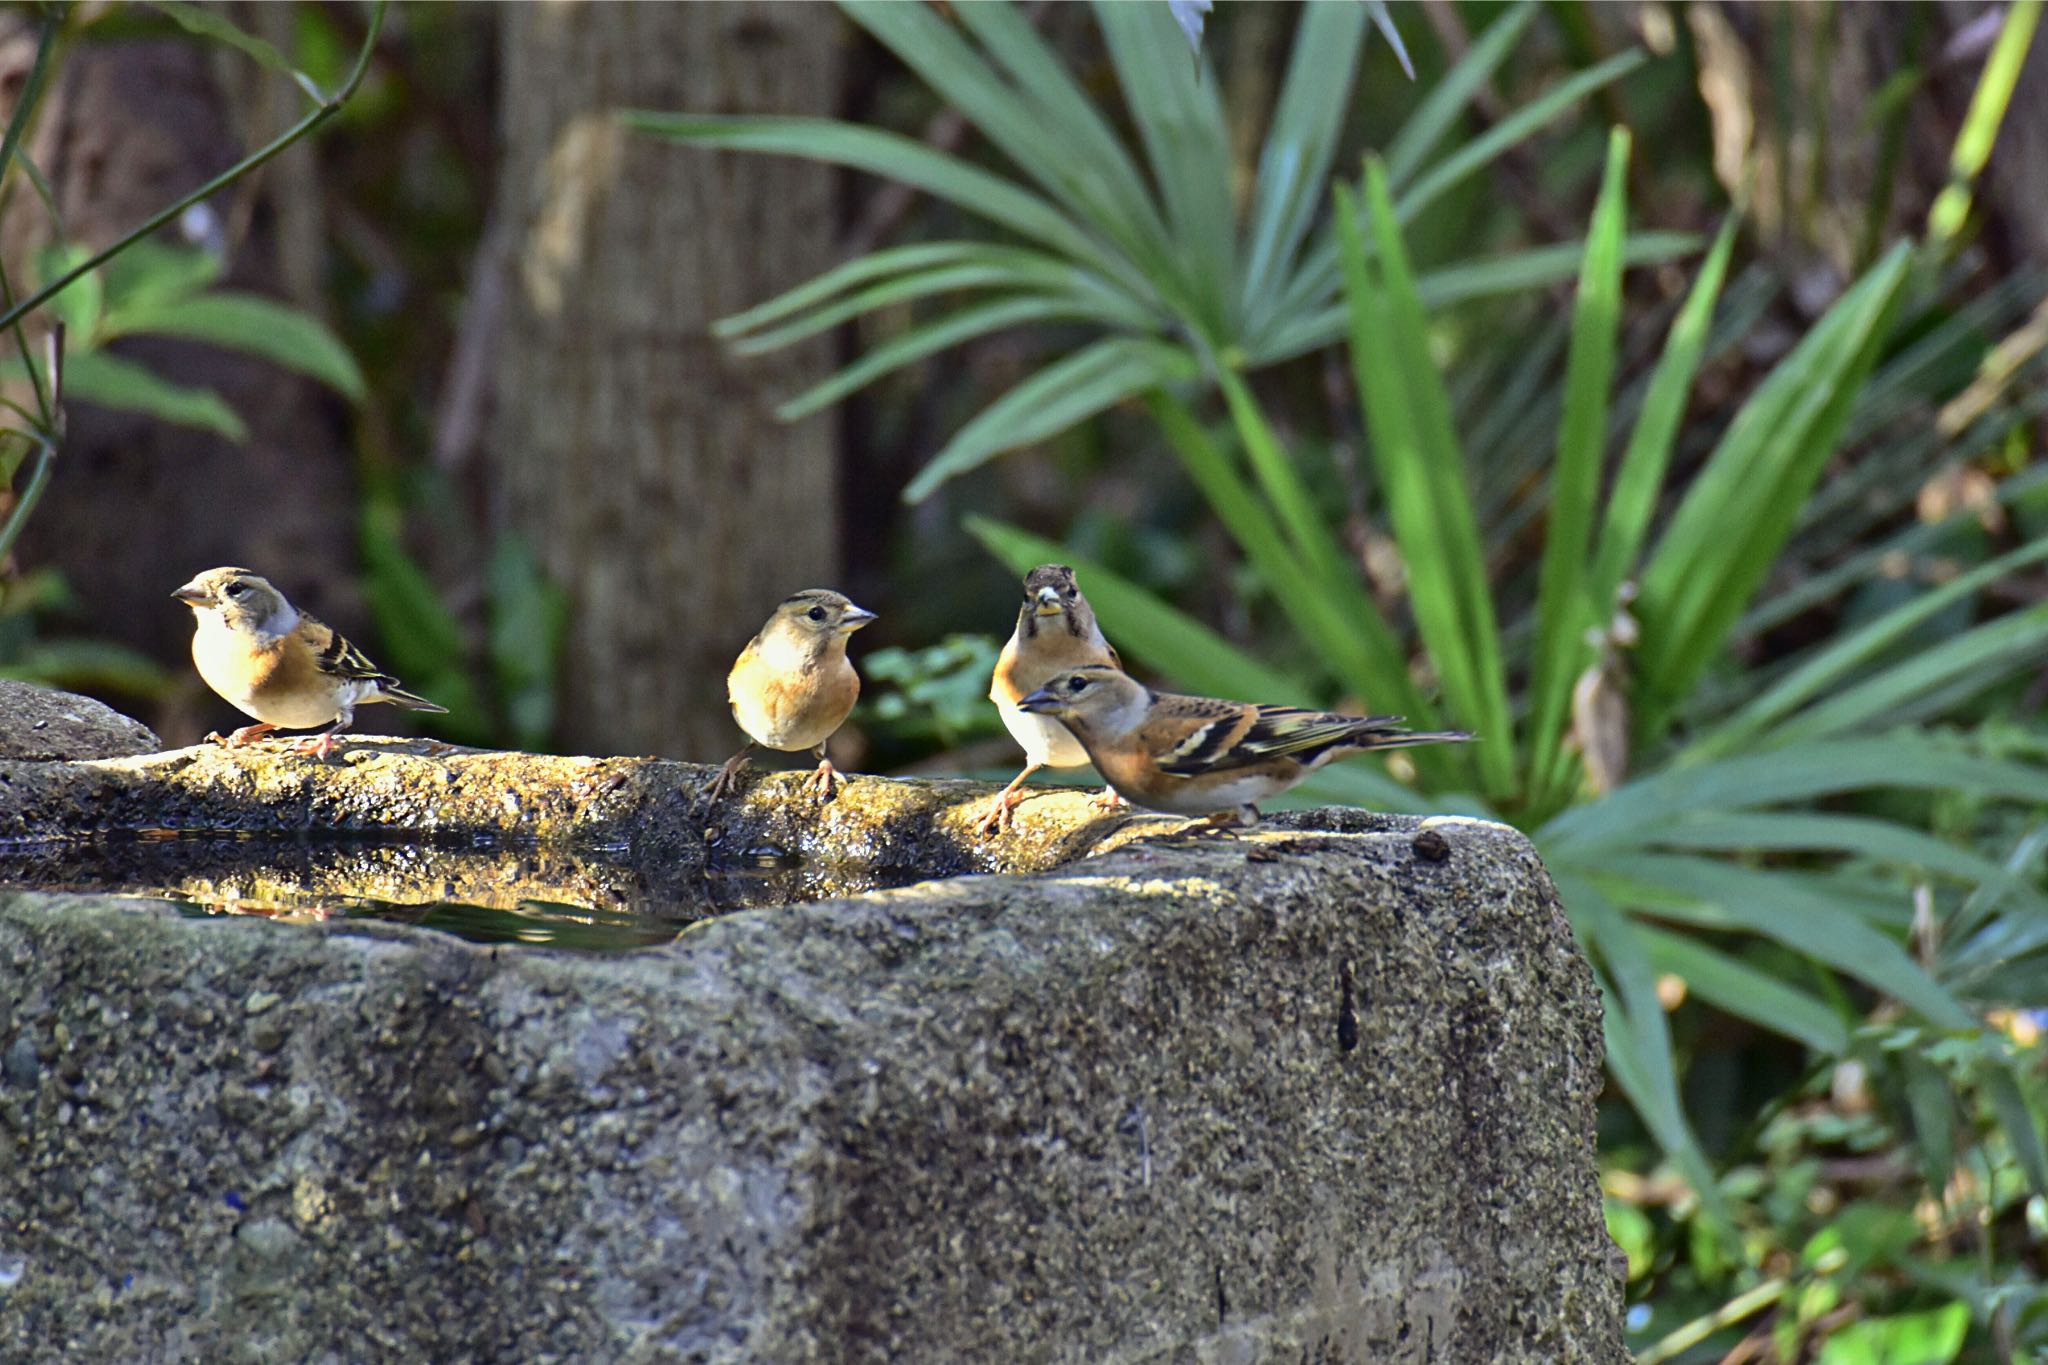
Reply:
x=1093, y=1093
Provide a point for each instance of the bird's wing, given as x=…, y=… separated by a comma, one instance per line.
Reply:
x=1003, y=688
x=1193, y=735
x=1243, y=735
x=336, y=657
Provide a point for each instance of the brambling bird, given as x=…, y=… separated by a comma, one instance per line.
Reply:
x=274, y=662
x=1056, y=631
x=792, y=686
x=1201, y=755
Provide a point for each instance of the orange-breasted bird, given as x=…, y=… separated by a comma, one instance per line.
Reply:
x=793, y=685
x=1202, y=755
x=275, y=663
x=1056, y=630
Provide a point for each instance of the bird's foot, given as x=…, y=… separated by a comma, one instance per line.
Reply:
x=727, y=781
x=319, y=746
x=1223, y=824
x=1001, y=813
x=1228, y=824
x=819, y=784
x=1107, y=799
x=235, y=739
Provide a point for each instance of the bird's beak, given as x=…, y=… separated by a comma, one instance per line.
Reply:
x=1043, y=702
x=1049, y=603
x=192, y=596
x=854, y=619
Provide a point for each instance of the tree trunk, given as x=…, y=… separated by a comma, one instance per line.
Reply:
x=136, y=506
x=640, y=458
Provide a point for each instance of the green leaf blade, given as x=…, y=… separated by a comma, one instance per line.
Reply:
x=1294, y=165
x=113, y=382
x=1091, y=380
x=889, y=155
x=1415, y=449
x=1563, y=612
x=253, y=325
x=1739, y=510
x=1142, y=626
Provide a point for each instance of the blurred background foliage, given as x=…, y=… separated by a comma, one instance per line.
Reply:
x=1655, y=389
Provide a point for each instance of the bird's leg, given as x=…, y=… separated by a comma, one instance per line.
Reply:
x=819, y=784
x=1002, y=810
x=320, y=745
x=237, y=738
x=1222, y=824
x=1107, y=799
x=1230, y=823
x=728, y=779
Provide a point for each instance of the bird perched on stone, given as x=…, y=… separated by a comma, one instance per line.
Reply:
x=272, y=661
x=1202, y=755
x=1056, y=631
x=793, y=686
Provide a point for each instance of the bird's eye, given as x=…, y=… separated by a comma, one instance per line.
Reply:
x=816, y=613
x=237, y=589
x=1076, y=684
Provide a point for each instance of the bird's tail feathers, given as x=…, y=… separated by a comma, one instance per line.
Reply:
x=1408, y=739
x=408, y=701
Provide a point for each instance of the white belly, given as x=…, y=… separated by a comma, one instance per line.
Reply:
x=220, y=658
x=1044, y=740
x=299, y=713
x=1185, y=798
x=788, y=729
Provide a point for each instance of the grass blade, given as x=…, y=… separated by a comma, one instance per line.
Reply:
x=1321, y=267
x=1452, y=91
x=1144, y=627
x=2019, y=1123
x=1987, y=112
x=1829, y=666
x=1415, y=449
x=1640, y=478
x=1638, y=1037
x=907, y=288
x=1181, y=125
x=1369, y=671
x=1086, y=149
x=1739, y=510
x=1881, y=841
x=952, y=330
x=1482, y=150
x=886, y=154
x=1905, y=760
x=1563, y=613
x=1800, y=914
x=1977, y=659
x=1384, y=22
x=1294, y=166
x=1059, y=144
x=1735, y=987
x=875, y=265
x=1357, y=646
x=253, y=325
x=1092, y=379
x=1485, y=277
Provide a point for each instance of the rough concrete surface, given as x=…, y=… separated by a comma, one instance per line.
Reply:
x=1323, y=1093
x=648, y=810
x=41, y=723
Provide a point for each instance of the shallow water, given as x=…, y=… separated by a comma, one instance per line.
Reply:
x=485, y=895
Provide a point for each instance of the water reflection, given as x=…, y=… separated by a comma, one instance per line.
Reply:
x=486, y=895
